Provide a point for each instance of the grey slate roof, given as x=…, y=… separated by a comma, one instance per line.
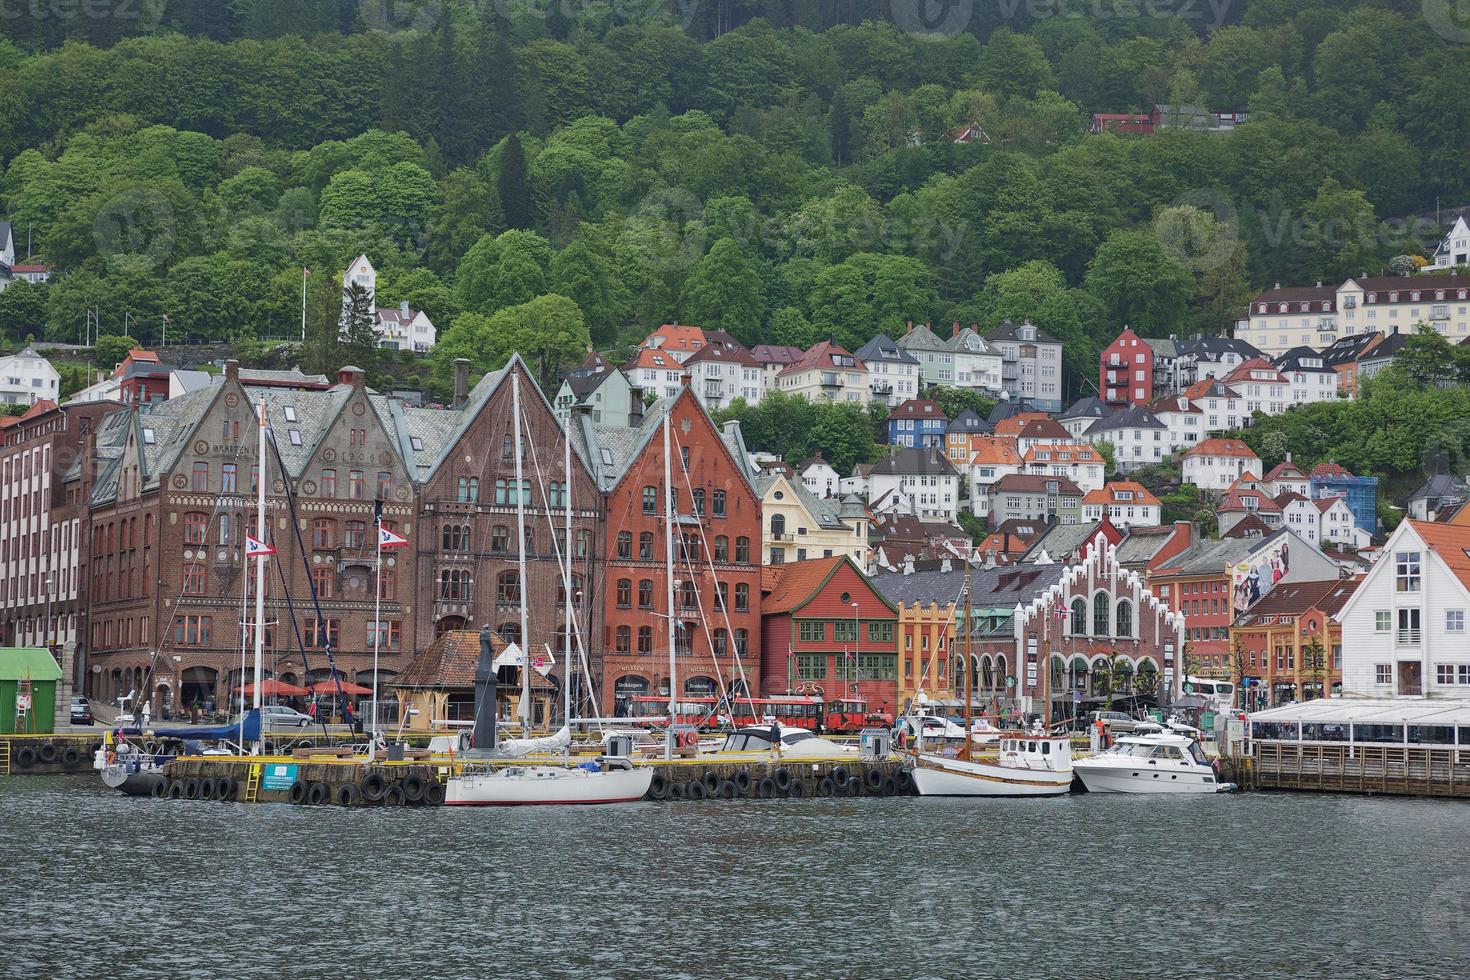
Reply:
x=1009, y=331
x=884, y=348
x=1133, y=417
x=922, y=338
x=1090, y=407
x=1060, y=541
x=969, y=421
x=826, y=511
x=914, y=462
x=1163, y=346
x=1442, y=487
x=1212, y=556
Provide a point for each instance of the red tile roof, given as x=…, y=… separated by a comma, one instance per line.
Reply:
x=448, y=662
x=1330, y=469
x=918, y=408
x=1222, y=447
x=820, y=356
x=1109, y=494
x=1244, y=372
x=1451, y=542
x=789, y=586
x=1285, y=469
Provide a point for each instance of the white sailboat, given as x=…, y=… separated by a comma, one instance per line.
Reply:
x=1035, y=764
x=607, y=780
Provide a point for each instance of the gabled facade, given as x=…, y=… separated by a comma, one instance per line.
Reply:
x=1035, y=498
x=1216, y=464
x=826, y=631
x=935, y=358
x=717, y=565
x=1078, y=462
x=657, y=371
x=917, y=423
x=921, y=480
x=1137, y=436
x=602, y=391
x=962, y=432
x=1264, y=388
x=722, y=371
x=826, y=372
x=1031, y=364
x=1312, y=378
x=818, y=477
x=893, y=373
x=977, y=364
x=1124, y=504
x=797, y=525
x=1403, y=630
x=1084, y=414
x=1289, y=646
x=1125, y=374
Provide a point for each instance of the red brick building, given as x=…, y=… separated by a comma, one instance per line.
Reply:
x=717, y=515
x=826, y=630
x=1125, y=375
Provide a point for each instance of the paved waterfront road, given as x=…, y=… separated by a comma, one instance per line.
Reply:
x=99, y=885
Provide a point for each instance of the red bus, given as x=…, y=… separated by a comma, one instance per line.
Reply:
x=849, y=716
x=709, y=712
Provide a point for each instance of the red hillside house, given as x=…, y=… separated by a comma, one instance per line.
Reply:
x=717, y=575
x=1125, y=375
x=826, y=632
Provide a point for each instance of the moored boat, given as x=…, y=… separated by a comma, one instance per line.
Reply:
x=1165, y=762
x=610, y=780
x=1028, y=765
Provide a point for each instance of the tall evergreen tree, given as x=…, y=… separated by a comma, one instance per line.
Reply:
x=359, y=332
x=515, y=194
x=840, y=128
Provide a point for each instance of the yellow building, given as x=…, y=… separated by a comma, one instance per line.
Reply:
x=798, y=525
x=924, y=635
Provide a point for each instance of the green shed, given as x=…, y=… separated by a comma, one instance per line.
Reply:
x=17, y=665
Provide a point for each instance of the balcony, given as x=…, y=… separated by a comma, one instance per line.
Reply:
x=882, y=388
x=831, y=380
x=1408, y=637
x=786, y=538
x=713, y=389
x=444, y=608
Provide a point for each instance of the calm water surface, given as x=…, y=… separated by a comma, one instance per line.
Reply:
x=101, y=885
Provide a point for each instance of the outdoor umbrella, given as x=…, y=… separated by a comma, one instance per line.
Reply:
x=330, y=687
x=273, y=687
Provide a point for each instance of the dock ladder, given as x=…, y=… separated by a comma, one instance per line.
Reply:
x=4, y=757
x=252, y=784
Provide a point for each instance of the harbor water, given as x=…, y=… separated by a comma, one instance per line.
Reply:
x=97, y=884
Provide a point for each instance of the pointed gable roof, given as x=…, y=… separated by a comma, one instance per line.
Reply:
x=884, y=348
x=922, y=338
x=820, y=356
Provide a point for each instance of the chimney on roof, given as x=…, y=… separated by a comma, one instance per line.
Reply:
x=909, y=324
x=403, y=309
x=946, y=565
x=350, y=375
x=461, y=381
x=954, y=331
x=232, y=370
x=908, y=564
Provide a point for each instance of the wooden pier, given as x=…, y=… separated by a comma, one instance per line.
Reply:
x=328, y=780
x=1398, y=770
x=30, y=755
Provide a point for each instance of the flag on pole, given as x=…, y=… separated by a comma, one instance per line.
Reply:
x=257, y=549
x=387, y=539
x=542, y=663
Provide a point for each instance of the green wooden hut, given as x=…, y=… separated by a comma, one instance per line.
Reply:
x=17, y=665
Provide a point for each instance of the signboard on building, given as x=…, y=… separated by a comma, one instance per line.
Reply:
x=1257, y=575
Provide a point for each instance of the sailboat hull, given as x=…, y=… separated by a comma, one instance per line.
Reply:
x=940, y=776
x=547, y=786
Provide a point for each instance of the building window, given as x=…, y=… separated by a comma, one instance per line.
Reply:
x=200, y=479
x=356, y=534
x=499, y=540
x=1100, y=617
x=388, y=583
x=1408, y=631
x=625, y=593
x=645, y=639
x=742, y=596
x=877, y=667
x=742, y=551
x=324, y=581
x=385, y=634
x=698, y=495
x=508, y=587
x=721, y=643
x=742, y=642
x=228, y=474
x=1383, y=673
x=192, y=631
x=645, y=593
x=1382, y=620
x=329, y=484
x=624, y=642
x=195, y=528
x=645, y=545
x=625, y=544
x=584, y=543
x=1125, y=618
x=650, y=500
x=322, y=633
x=194, y=579
x=385, y=485
x=1406, y=571
x=812, y=632
x=718, y=503
x=880, y=632
x=354, y=485
x=469, y=490
x=1078, y=625
x=722, y=548
x=323, y=533
x=1454, y=620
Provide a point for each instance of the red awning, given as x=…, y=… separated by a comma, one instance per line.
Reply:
x=331, y=687
x=277, y=688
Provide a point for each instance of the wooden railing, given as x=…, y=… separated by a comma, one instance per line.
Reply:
x=1398, y=769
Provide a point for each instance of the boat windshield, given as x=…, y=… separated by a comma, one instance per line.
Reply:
x=792, y=738
x=1198, y=754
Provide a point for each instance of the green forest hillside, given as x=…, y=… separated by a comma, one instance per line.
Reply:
x=553, y=174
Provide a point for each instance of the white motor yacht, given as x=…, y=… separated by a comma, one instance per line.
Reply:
x=795, y=743
x=1165, y=762
x=1028, y=765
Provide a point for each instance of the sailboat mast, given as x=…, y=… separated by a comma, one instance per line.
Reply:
x=525, y=706
x=260, y=575
x=969, y=667
x=571, y=604
x=669, y=576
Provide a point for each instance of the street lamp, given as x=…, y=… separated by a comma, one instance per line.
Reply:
x=46, y=631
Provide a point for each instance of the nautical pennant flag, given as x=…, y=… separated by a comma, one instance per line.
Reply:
x=387, y=539
x=257, y=549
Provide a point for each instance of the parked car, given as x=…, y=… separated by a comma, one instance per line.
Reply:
x=277, y=716
x=81, y=711
x=1119, y=722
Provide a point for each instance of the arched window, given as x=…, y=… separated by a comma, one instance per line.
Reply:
x=742, y=551
x=742, y=597
x=1100, y=614
x=645, y=639
x=645, y=593
x=508, y=587
x=1079, y=617
x=721, y=642
x=1125, y=618
x=645, y=546
x=624, y=639
x=778, y=525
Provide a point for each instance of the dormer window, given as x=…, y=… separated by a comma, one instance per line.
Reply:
x=1393, y=297
x=1414, y=296
x=1439, y=294
x=147, y=437
x=290, y=411
x=1372, y=297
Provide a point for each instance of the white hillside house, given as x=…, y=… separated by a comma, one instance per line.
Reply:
x=399, y=327
x=26, y=378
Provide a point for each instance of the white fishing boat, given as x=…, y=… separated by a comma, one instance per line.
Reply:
x=1166, y=762
x=1028, y=765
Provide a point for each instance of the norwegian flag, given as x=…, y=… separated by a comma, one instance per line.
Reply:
x=387, y=539
x=257, y=549
x=1059, y=611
